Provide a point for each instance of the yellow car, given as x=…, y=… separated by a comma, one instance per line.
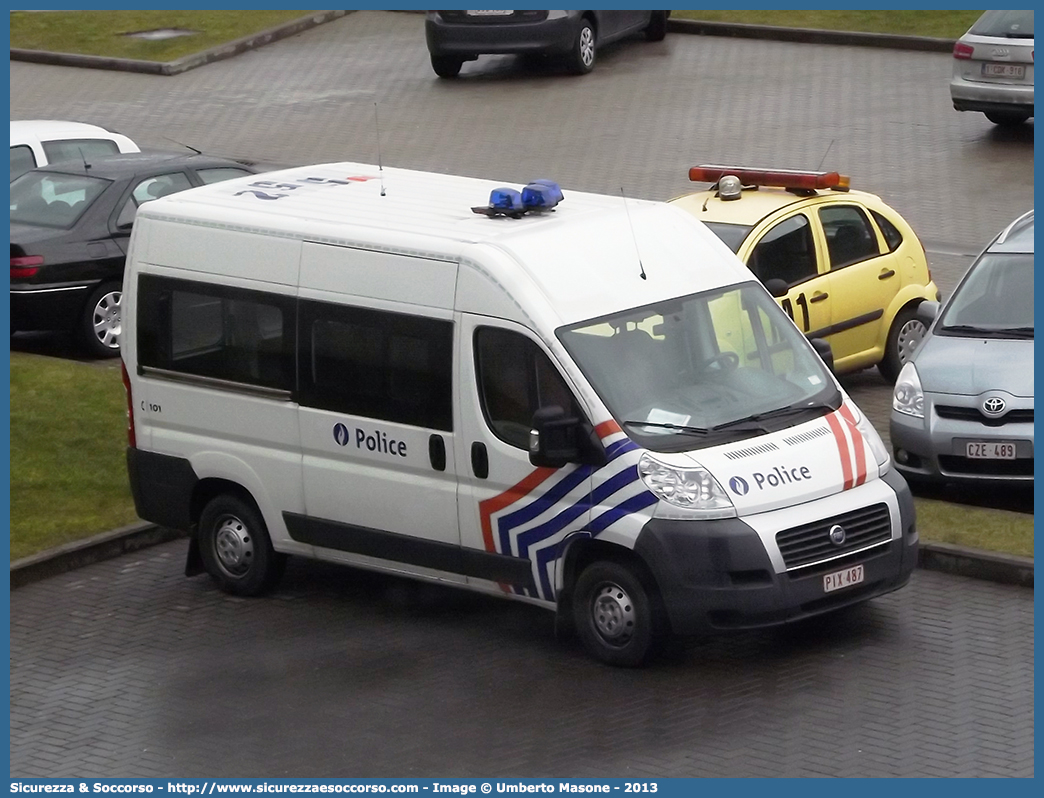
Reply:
x=844, y=265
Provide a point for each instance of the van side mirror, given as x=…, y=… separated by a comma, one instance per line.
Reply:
x=777, y=287
x=927, y=311
x=556, y=440
x=824, y=350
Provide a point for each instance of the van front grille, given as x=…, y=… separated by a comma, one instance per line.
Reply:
x=811, y=543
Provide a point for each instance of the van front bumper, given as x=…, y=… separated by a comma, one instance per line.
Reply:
x=717, y=575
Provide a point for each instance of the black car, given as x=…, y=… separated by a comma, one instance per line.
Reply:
x=70, y=226
x=458, y=36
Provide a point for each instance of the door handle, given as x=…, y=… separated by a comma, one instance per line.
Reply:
x=437, y=452
x=886, y=274
x=479, y=460
x=819, y=296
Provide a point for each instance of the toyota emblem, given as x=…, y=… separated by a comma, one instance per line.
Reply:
x=837, y=535
x=993, y=406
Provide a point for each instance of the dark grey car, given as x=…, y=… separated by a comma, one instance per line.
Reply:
x=575, y=36
x=962, y=408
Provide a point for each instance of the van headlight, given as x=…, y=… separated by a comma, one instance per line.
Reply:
x=907, y=396
x=685, y=492
x=870, y=434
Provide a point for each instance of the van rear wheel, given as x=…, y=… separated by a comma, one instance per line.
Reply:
x=613, y=614
x=236, y=549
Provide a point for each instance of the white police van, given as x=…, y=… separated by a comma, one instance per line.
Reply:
x=587, y=403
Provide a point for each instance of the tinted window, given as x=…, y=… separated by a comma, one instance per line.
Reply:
x=515, y=380
x=786, y=252
x=731, y=234
x=78, y=149
x=52, y=199
x=220, y=173
x=216, y=331
x=389, y=366
x=1010, y=24
x=22, y=160
x=890, y=232
x=850, y=238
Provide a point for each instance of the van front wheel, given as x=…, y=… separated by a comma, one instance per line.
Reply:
x=236, y=549
x=613, y=614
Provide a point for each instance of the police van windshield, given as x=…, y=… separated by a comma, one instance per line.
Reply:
x=702, y=370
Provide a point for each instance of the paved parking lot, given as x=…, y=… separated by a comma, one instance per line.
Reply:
x=127, y=668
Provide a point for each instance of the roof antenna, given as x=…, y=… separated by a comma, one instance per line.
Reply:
x=633, y=236
x=86, y=166
x=186, y=146
x=380, y=167
x=820, y=167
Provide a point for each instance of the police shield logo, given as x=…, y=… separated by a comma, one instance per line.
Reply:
x=739, y=486
x=340, y=433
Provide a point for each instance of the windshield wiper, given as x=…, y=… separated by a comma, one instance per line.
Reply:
x=755, y=419
x=1020, y=332
x=986, y=332
x=675, y=427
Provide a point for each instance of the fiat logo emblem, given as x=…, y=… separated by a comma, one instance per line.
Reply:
x=837, y=535
x=993, y=406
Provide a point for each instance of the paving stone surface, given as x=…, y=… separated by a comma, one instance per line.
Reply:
x=127, y=668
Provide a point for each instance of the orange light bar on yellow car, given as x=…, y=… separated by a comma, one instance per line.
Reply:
x=782, y=178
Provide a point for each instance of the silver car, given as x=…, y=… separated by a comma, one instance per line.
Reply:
x=993, y=67
x=962, y=407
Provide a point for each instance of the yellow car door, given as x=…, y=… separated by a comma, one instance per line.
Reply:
x=863, y=280
x=786, y=249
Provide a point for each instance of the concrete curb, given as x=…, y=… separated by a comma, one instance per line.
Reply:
x=218, y=53
x=80, y=553
x=1007, y=569
x=688, y=26
x=810, y=35
x=962, y=561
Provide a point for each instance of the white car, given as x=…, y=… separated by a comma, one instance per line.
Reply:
x=37, y=142
x=993, y=67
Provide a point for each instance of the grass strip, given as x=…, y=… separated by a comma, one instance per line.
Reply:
x=938, y=24
x=68, y=439
x=981, y=528
x=103, y=33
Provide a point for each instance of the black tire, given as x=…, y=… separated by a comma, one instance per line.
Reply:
x=100, y=325
x=581, y=58
x=1007, y=118
x=903, y=338
x=446, y=66
x=614, y=615
x=657, y=28
x=236, y=549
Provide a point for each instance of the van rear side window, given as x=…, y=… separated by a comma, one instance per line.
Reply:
x=388, y=366
x=215, y=331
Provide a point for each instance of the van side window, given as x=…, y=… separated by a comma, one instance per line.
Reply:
x=382, y=365
x=515, y=379
x=215, y=331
